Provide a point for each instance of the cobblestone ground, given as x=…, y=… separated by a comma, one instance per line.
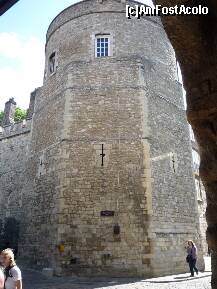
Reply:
x=35, y=280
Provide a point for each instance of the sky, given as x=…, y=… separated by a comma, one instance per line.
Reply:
x=22, y=38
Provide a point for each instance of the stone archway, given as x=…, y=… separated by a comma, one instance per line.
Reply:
x=194, y=39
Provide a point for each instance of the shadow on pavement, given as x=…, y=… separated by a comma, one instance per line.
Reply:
x=36, y=280
x=179, y=279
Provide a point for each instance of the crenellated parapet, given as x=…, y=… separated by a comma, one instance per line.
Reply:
x=15, y=129
x=9, y=128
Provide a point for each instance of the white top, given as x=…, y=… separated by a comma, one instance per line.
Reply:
x=15, y=275
x=2, y=278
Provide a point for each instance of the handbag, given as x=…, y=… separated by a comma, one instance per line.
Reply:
x=188, y=258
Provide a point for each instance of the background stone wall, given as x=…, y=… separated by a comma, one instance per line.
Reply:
x=14, y=148
x=175, y=212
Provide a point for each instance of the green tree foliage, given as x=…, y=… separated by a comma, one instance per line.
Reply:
x=1, y=116
x=20, y=114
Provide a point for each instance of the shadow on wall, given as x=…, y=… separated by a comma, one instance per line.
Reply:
x=9, y=234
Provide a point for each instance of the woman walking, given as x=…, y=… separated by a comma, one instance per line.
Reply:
x=13, y=279
x=192, y=257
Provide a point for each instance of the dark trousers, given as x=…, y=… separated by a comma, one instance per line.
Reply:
x=192, y=266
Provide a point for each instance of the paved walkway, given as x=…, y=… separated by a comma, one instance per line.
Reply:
x=35, y=280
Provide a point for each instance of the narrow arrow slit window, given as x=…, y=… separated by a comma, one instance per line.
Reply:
x=52, y=63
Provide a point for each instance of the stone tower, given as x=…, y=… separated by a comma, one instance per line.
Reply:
x=9, y=112
x=109, y=187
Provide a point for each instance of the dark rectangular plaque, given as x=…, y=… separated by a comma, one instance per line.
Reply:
x=107, y=213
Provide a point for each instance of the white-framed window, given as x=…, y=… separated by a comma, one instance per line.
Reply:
x=196, y=161
x=102, y=45
x=52, y=63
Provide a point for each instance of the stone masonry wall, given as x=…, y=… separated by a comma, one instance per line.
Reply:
x=39, y=244
x=202, y=204
x=14, y=147
x=175, y=213
x=84, y=218
x=107, y=101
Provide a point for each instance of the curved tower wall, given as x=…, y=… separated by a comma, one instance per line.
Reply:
x=110, y=219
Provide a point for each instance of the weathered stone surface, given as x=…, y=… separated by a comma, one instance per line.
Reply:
x=131, y=103
x=195, y=42
x=30, y=110
x=14, y=146
x=9, y=112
